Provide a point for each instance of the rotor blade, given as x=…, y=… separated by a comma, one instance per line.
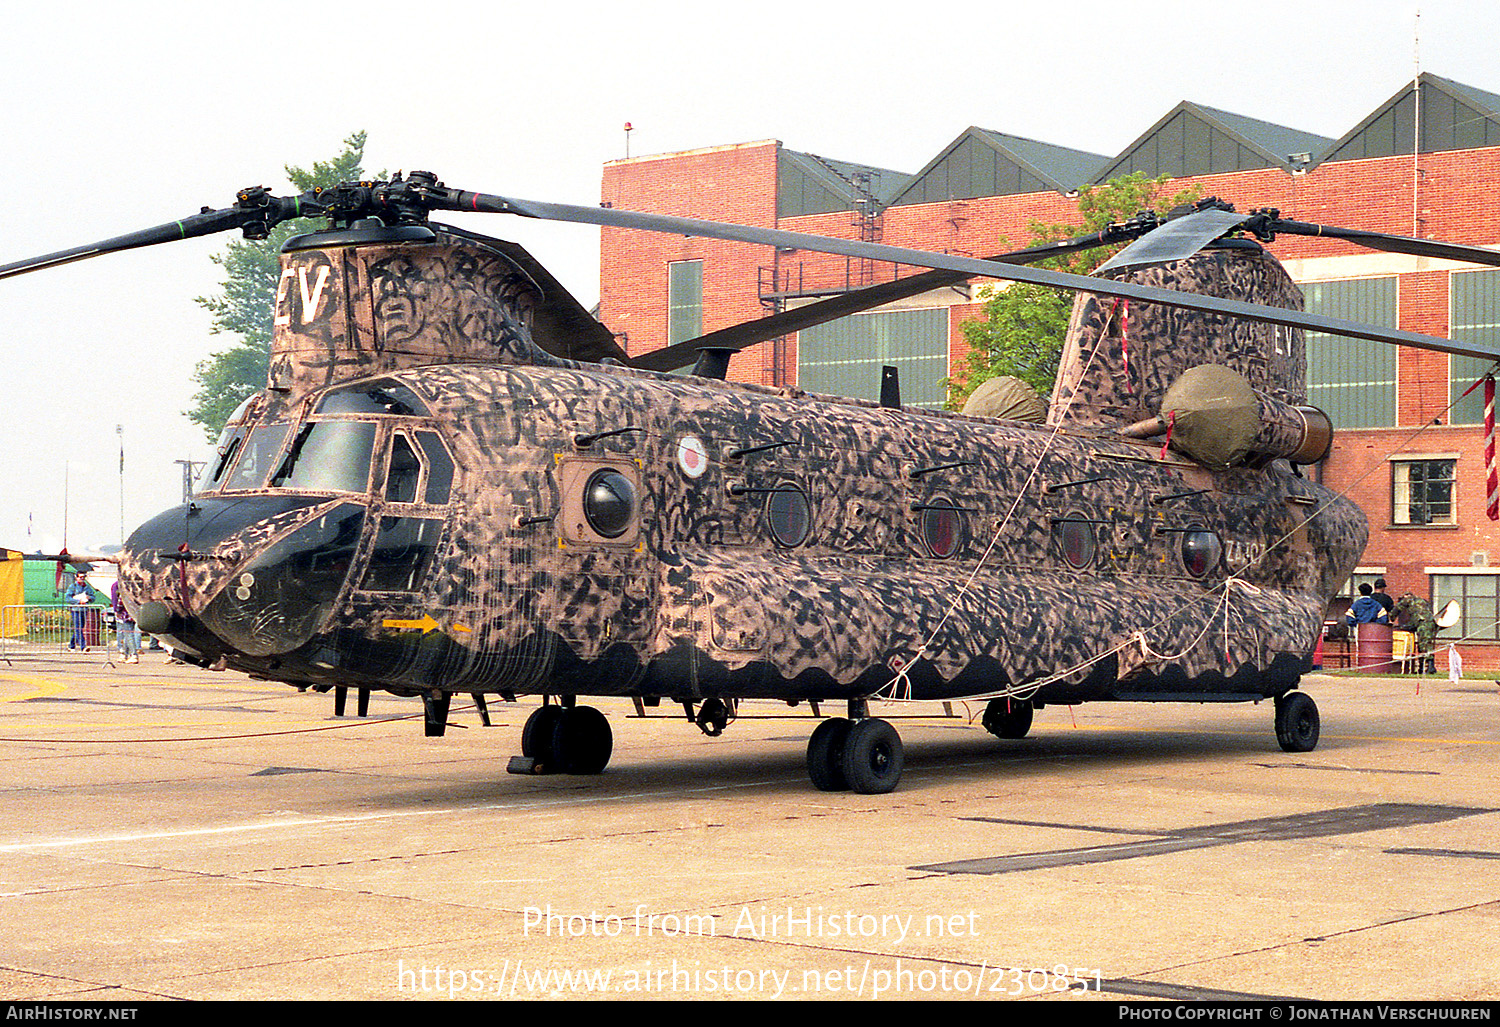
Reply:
x=205, y=223
x=796, y=319
x=1392, y=243
x=1176, y=240
x=968, y=265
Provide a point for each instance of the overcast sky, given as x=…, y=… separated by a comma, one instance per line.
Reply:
x=132, y=115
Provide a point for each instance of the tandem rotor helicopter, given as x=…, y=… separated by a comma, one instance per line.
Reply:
x=456, y=482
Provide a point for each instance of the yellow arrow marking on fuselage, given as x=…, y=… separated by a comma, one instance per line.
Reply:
x=424, y=625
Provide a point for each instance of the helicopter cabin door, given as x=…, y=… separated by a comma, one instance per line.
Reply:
x=416, y=612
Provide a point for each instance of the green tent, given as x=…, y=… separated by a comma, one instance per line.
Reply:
x=41, y=578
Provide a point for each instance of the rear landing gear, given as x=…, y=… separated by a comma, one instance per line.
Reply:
x=825, y=755
x=567, y=740
x=864, y=756
x=1296, y=722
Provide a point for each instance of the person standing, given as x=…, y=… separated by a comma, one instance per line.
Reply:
x=1415, y=615
x=127, y=632
x=1367, y=609
x=79, y=595
x=1381, y=597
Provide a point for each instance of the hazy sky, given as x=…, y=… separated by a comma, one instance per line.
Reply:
x=132, y=115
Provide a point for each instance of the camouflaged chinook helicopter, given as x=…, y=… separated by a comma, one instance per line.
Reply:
x=456, y=482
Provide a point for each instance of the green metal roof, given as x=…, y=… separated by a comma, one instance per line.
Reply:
x=1192, y=139
x=983, y=162
x=809, y=184
x=1453, y=117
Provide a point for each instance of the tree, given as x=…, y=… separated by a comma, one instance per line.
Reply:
x=251, y=271
x=1022, y=331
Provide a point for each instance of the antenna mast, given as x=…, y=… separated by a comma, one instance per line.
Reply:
x=1416, y=126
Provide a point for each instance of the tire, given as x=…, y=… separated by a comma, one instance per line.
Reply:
x=1007, y=718
x=536, y=735
x=825, y=755
x=873, y=757
x=1297, y=722
x=582, y=741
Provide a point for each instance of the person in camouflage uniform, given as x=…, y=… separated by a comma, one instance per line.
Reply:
x=1415, y=615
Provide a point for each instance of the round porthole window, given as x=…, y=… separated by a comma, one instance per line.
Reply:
x=609, y=503
x=942, y=530
x=1078, y=544
x=789, y=515
x=1201, y=552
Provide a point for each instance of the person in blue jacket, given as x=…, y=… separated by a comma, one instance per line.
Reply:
x=79, y=595
x=1367, y=609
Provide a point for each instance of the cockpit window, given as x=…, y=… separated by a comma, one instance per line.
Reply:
x=378, y=397
x=328, y=456
x=401, y=479
x=439, y=467
x=229, y=445
x=213, y=470
x=255, y=456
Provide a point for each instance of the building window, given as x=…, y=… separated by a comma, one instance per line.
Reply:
x=1422, y=491
x=684, y=301
x=1477, y=596
x=1473, y=296
x=844, y=357
x=1350, y=591
x=1353, y=380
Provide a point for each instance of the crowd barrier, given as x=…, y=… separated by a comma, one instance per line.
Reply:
x=53, y=628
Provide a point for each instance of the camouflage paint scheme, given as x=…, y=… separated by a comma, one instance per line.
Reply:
x=519, y=594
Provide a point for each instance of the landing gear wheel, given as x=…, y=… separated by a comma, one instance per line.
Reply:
x=713, y=717
x=581, y=741
x=536, y=736
x=873, y=757
x=1007, y=718
x=1297, y=722
x=825, y=755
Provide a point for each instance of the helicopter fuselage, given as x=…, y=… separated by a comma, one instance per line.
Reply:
x=589, y=530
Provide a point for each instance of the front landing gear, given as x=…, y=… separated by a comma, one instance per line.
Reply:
x=567, y=739
x=1296, y=722
x=1007, y=718
x=864, y=756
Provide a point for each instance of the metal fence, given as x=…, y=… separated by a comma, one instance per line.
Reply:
x=53, y=628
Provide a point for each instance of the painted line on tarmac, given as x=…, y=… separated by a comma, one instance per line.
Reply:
x=1127, y=728
x=42, y=687
x=570, y=800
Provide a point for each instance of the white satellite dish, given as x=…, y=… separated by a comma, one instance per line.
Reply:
x=1449, y=614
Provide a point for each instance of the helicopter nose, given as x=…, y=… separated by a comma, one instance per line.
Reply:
x=205, y=524
x=277, y=600
x=256, y=574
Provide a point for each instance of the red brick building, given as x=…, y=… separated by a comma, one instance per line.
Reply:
x=1423, y=488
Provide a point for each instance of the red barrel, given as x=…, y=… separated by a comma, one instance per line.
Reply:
x=1374, y=647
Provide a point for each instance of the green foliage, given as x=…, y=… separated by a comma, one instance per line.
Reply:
x=251, y=271
x=1023, y=327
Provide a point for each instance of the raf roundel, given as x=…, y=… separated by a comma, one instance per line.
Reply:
x=691, y=456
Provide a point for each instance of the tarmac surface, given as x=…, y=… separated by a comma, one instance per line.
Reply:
x=168, y=832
